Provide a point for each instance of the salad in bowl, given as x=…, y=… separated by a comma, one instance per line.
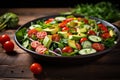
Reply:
x=67, y=35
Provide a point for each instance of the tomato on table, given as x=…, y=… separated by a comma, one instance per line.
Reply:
x=67, y=49
x=36, y=68
x=98, y=46
x=4, y=38
x=8, y=46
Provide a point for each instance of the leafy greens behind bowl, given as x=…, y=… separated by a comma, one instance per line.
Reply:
x=104, y=10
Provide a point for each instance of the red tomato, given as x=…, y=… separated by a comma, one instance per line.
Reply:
x=105, y=35
x=35, y=44
x=8, y=46
x=41, y=49
x=55, y=37
x=91, y=32
x=85, y=20
x=69, y=19
x=67, y=49
x=65, y=28
x=36, y=68
x=78, y=46
x=83, y=39
x=61, y=25
x=103, y=27
x=4, y=38
x=32, y=32
x=98, y=46
x=49, y=20
x=41, y=35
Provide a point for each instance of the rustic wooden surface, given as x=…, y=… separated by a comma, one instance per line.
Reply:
x=16, y=67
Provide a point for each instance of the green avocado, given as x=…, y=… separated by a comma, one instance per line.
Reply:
x=63, y=34
x=72, y=44
x=47, y=41
x=77, y=37
x=52, y=30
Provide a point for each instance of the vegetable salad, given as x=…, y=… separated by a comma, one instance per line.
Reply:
x=67, y=36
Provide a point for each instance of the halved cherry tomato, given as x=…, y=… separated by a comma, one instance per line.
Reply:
x=91, y=32
x=55, y=37
x=85, y=21
x=35, y=44
x=67, y=49
x=41, y=49
x=49, y=20
x=83, y=39
x=32, y=32
x=103, y=27
x=8, y=46
x=65, y=28
x=98, y=46
x=61, y=25
x=68, y=20
x=41, y=35
x=78, y=46
x=105, y=35
x=36, y=68
x=4, y=38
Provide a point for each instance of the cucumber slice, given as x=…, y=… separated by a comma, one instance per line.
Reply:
x=60, y=18
x=87, y=51
x=86, y=44
x=94, y=38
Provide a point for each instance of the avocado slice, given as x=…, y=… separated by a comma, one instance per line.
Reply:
x=72, y=44
x=47, y=41
x=81, y=30
x=63, y=34
x=77, y=37
x=52, y=30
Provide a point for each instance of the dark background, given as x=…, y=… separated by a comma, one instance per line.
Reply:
x=48, y=3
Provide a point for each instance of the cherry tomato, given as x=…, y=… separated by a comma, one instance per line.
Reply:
x=35, y=44
x=41, y=35
x=32, y=32
x=36, y=68
x=68, y=20
x=61, y=25
x=105, y=35
x=8, y=46
x=98, y=46
x=83, y=39
x=103, y=27
x=55, y=37
x=41, y=49
x=78, y=46
x=4, y=38
x=65, y=28
x=91, y=32
x=49, y=20
x=85, y=20
x=67, y=49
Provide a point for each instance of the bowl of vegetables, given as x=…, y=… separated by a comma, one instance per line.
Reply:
x=67, y=38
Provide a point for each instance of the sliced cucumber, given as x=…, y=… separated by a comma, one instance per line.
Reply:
x=86, y=44
x=60, y=18
x=94, y=38
x=87, y=51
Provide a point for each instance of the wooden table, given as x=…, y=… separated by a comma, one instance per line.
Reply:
x=16, y=67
